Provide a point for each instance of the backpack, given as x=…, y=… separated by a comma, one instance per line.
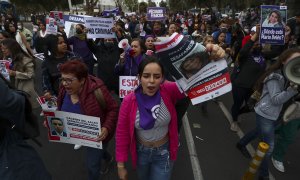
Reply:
x=31, y=126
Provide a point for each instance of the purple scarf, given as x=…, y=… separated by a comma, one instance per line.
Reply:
x=148, y=108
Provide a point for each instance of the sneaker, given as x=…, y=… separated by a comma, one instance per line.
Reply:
x=278, y=165
x=234, y=126
x=77, y=146
x=106, y=165
x=243, y=150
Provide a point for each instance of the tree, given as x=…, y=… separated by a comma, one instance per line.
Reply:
x=163, y=4
x=131, y=4
x=89, y=8
x=118, y=4
x=151, y=4
x=143, y=7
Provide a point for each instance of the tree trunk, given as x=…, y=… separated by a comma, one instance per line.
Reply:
x=70, y=5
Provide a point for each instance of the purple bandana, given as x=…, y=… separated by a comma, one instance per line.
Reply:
x=259, y=60
x=148, y=108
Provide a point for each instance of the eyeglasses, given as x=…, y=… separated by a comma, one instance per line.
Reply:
x=57, y=124
x=67, y=81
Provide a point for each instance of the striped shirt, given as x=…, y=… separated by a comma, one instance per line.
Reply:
x=160, y=128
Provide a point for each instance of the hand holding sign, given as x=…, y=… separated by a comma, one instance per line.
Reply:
x=216, y=52
x=103, y=134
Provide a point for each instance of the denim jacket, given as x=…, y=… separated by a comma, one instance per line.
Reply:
x=274, y=95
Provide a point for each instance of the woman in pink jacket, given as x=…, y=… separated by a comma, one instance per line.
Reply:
x=147, y=125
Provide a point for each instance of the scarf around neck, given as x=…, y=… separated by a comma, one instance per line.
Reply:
x=149, y=107
x=81, y=36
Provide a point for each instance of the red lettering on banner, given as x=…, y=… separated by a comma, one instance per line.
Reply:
x=123, y=82
x=210, y=86
x=124, y=93
x=130, y=82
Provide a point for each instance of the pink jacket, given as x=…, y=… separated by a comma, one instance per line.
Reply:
x=125, y=136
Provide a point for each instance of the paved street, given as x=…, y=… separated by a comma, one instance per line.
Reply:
x=215, y=148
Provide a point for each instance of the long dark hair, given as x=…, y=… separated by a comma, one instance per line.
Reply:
x=148, y=60
x=17, y=53
x=278, y=65
x=6, y=27
x=142, y=44
x=52, y=45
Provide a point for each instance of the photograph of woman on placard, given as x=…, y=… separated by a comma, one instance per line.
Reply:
x=273, y=19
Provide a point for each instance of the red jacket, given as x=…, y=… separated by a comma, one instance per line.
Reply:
x=90, y=106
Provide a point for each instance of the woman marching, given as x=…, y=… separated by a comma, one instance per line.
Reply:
x=275, y=91
x=22, y=69
x=147, y=124
x=85, y=94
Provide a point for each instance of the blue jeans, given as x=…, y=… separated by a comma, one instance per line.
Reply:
x=265, y=129
x=154, y=163
x=94, y=160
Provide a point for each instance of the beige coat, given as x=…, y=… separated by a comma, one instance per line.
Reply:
x=24, y=79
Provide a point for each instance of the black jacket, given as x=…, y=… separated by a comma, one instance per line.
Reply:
x=249, y=70
x=107, y=60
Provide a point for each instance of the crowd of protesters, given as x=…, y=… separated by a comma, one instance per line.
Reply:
x=68, y=74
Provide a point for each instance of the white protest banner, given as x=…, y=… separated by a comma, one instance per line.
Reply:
x=272, y=28
x=70, y=23
x=156, y=13
x=51, y=26
x=4, y=67
x=58, y=16
x=99, y=27
x=189, y=64
x=127, y=85
x=212, y=82
x=73, y=128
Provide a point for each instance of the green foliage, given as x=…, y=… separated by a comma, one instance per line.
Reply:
x=163, y=4
x=143, y=7
x=131, y=4
x=151, y=4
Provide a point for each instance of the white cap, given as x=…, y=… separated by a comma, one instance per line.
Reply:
x=253, y=29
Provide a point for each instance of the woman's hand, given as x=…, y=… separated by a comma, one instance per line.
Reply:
x=12, y=73
x=294, y=86
x=122, y=172
x=122, y=58
x=45, y=122
x=103, y=134
x=47, y=95
x=216, y=52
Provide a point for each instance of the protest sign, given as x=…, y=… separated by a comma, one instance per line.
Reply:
x=189, y=64
x=58, y=16
x=51, y=26
x=70, y=23
x=127, y=85
x=48, y=105
x=273, y=19
x=111, y=12
x=99, y=27
x=206, y=17
x=73, y=128
x=4, y=67
x=156, y=13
